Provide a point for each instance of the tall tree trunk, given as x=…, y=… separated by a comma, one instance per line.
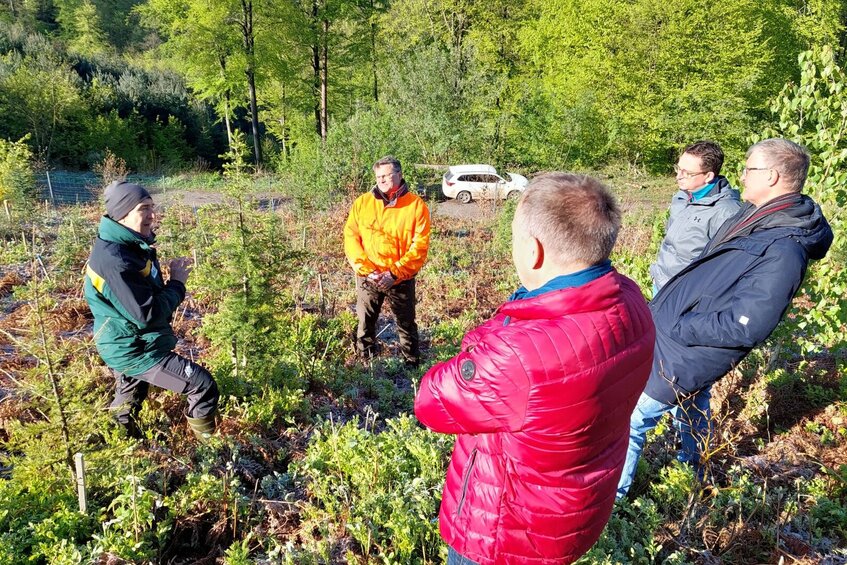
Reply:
x=324, y=77
x=254, y=114
x=373, y=51
x=227, y=120
x=283, y=122
x=222, y=61
x=316, y=65
x=247, y=33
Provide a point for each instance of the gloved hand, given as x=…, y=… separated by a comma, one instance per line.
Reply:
x=386, y=281
x=371, y=282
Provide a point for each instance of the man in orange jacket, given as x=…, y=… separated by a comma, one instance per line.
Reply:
x=386, y=239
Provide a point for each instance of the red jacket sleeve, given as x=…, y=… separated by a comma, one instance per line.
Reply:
x=482, y=389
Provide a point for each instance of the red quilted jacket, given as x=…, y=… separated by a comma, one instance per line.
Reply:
x=540, y=398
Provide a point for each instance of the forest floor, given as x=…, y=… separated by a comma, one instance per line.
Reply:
x=777, y=489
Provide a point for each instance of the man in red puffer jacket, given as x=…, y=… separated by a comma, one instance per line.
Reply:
x=540, y=396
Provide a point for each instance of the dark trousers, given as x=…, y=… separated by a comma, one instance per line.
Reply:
x=401, y=299
x=172, y=373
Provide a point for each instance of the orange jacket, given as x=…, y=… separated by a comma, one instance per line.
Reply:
x=380, y=236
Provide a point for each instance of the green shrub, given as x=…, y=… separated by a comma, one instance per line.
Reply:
x=40, y=519
x=829, y=519
x=675, y=488
x=811, y=113
x=17, y=183
x=383, y=488
x=629, y=536
x=132, y=528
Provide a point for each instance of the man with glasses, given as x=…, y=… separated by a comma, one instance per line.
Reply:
x=705, y=200
x=717, y=309
x=386, y=240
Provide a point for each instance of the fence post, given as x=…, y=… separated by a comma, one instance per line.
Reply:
x=321, y=292
x=80, y=482
x=50, y=188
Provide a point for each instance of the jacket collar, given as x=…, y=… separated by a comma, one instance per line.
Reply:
x=402, y=190
x=720, y=190
x=598, y=294
x=110, y=230
x=565, y=281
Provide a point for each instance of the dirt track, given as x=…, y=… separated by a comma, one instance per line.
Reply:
x=443, y=208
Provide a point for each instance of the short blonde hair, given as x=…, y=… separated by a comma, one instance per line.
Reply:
x=575, y=217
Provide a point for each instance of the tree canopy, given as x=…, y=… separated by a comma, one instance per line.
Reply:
x=538, y=84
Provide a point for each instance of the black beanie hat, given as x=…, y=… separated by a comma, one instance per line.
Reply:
x=122, y=197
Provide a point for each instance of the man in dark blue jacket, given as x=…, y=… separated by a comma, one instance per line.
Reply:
x=727, y=301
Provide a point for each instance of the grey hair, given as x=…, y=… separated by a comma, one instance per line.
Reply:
x=789, y=159
x=575, y=217
x=389, y=160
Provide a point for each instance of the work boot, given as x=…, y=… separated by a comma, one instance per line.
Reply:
x=130, y=426
x=412, y=362
x=203, y=427
x=132, y=429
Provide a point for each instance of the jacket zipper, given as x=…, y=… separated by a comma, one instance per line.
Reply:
x=467, y=478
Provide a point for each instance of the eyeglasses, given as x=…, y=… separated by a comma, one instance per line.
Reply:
x=746, y=169
x=686, y=174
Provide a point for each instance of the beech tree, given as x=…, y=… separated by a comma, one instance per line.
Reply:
x=214, y=43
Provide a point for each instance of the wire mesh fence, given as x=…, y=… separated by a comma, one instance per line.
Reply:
x=68, y=187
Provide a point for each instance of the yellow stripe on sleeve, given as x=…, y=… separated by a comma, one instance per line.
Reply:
x=97, y=281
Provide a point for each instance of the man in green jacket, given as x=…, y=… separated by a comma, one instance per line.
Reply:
x=133, y=308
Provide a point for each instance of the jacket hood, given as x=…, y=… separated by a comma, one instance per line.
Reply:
x=806, y=223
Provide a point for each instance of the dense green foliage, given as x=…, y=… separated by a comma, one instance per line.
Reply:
x=388, y=485
x=76, y=107
x=323, y=88
x=318, y=460
x=16, y=179
x=813, y=112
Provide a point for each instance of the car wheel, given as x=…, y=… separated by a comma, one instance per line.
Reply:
x=513, y=195
x=464, y=197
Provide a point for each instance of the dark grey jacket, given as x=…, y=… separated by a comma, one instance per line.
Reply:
x=690, y=227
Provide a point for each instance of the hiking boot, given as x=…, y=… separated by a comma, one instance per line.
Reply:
x=203, y=428
x=131, y=428
x=412, y=363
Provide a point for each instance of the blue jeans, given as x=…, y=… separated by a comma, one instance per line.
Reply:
x=454, y=558
x=692, y=420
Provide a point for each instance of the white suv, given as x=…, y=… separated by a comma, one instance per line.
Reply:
x=475, y=182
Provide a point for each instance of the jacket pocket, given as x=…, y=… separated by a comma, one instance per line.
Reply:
x=465, y=481
x=704, y=304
